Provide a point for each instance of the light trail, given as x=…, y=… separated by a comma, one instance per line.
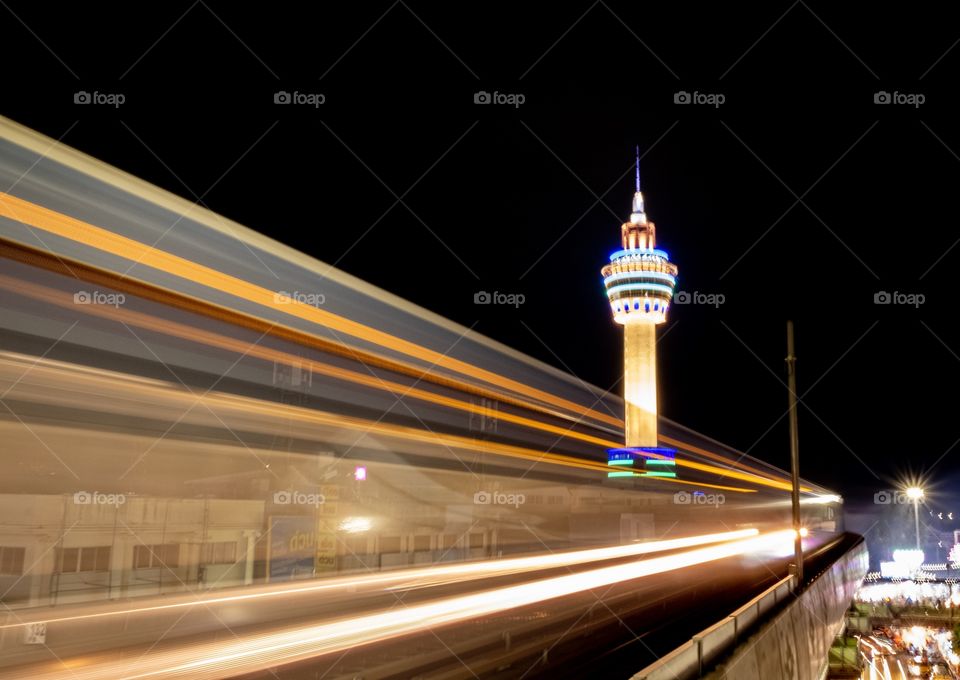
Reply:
x=412, y=578
x=31, y=214
x=690, y=448
x=885, y=645
x=253, y=652
x=183, y=331
x=260, y=326
x=723, y=472
x=193, y=334
x=138, y=319
x=248, y=405
x=64, y=300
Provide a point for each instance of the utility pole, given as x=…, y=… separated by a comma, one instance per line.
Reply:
x=916, y=518
x=794, y=451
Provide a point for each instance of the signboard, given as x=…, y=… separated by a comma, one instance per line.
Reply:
x=292, y=548
x=326, y=546
x=35, y=633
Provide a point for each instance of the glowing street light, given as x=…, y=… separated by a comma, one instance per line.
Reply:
x=916, y=493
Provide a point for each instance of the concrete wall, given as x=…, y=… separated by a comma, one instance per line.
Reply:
x=795, y=643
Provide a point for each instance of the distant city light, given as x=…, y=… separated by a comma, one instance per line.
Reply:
x=911, y=559
x=916, y=636
x=821, y=500
x=894, y=570
x=360, y=473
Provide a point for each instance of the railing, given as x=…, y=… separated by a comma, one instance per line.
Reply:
x=810, y=626
x=692, y=658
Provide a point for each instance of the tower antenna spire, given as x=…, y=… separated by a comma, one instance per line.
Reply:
x=638, y=215
x=638, y=168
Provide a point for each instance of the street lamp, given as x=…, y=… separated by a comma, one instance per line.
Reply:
x=916, y=493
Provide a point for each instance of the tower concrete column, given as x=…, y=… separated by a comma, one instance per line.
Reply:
x=640, y=384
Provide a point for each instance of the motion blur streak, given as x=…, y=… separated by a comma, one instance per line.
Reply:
x=412, y=578
x=141, y=320
x=705, y=485
x=107, y=381
x=248, y=653
x=180, y=330
x=72, y=268
x=726, y=472
x=686, y=446
x=172, y=328
x=15, y=208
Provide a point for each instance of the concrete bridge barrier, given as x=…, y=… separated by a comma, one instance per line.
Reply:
x=780, y=634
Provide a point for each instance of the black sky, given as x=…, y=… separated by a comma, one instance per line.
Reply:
x=797, y=197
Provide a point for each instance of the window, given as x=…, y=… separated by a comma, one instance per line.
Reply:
x=356, y=545
x=389, y=544
x=421, y=543
x=153, y=556
x=221, y=552
x=11, y=560
x=73, y=560
x=476, y=540
x=69, y=559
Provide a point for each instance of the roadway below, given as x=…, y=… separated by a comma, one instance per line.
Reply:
x=612, y=629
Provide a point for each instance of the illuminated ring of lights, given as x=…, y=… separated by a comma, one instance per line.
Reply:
x=653, y=288
x=639, y=251
x=658, y=310
x=663, y=276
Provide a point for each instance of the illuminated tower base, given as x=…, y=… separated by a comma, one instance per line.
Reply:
x=644, y=461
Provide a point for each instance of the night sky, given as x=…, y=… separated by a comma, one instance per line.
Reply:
x=798, y=196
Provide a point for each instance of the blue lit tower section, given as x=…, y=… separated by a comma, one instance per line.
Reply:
x=640, y=281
